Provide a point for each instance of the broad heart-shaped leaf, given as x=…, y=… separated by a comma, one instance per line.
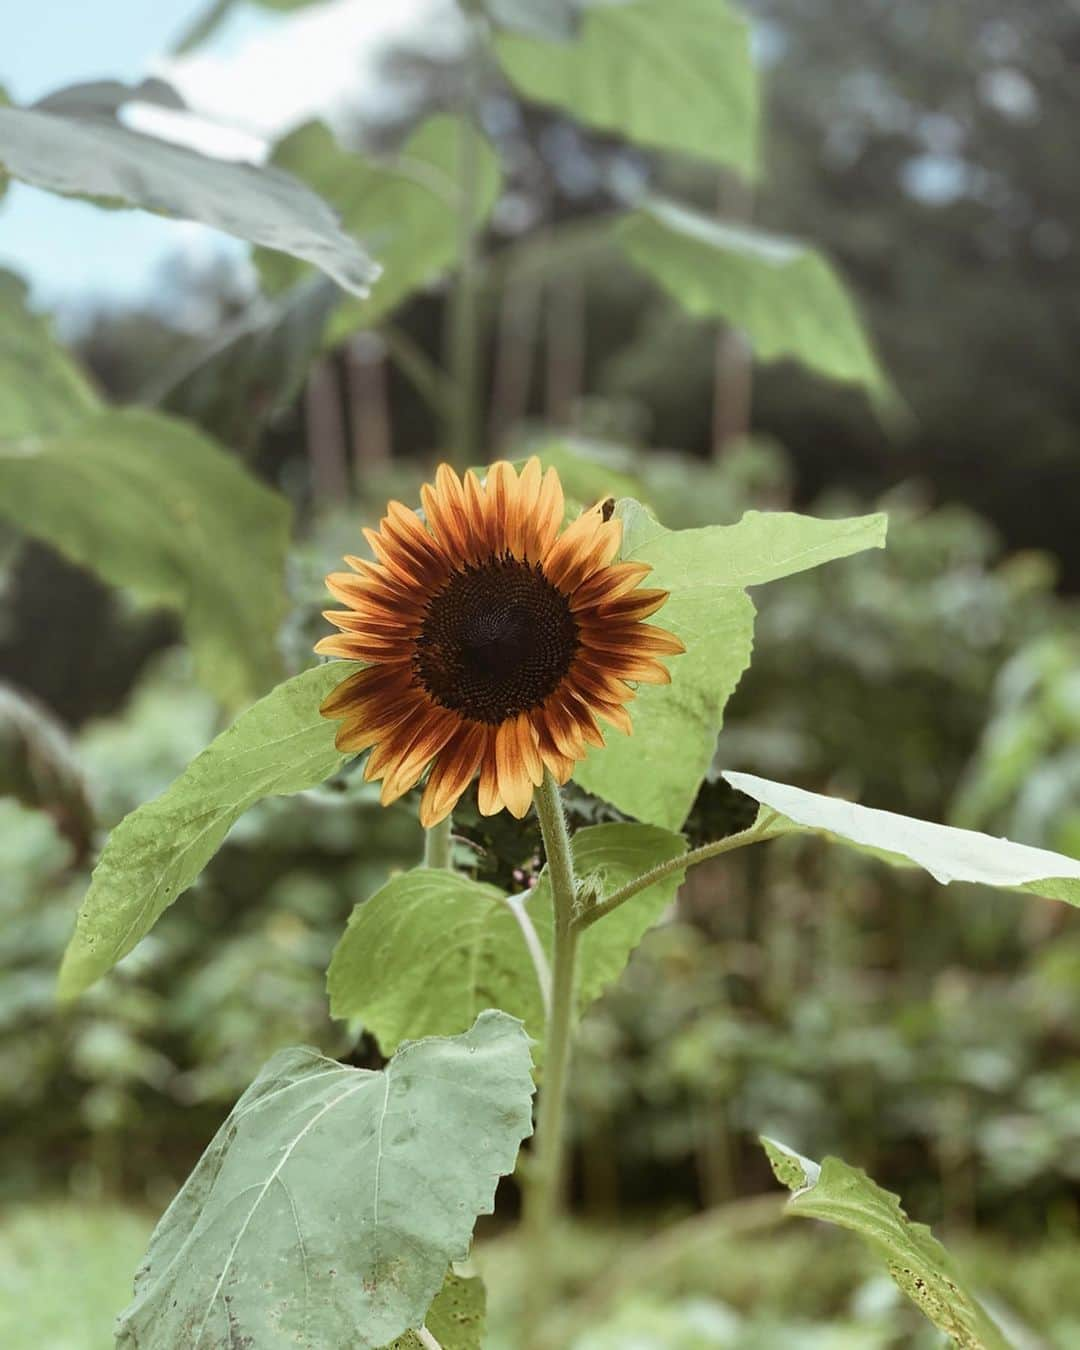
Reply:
x=705, y=571
x=947, y=853
x=41, y=388
x=97, y=156
x=915, y=1259
x=432, y=947
x=781, y=293
x=328, y=1206
x=150, y=504
x=280, y=745
x=405, y=210
x=666, y=74
x=456, y=1319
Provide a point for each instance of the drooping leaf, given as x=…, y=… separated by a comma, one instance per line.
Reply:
x=150, y=504
x=705, y=571
x=432, y=947
x=456, y=1319
x=405, y=210
x=666, y=74
x=947, y=853
x=41, y=389
x=279, y=746
x=915, y=1259
x=328, y=1206
x=784, y=295
x=97, y=156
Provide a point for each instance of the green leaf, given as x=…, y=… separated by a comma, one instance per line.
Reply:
x=551, y=20
x=328, y=1206
x=280, y=745
x=947, y=853
x=96, y=156
x=705, y=571
x=432, y=947
x=41, y=388
x=148, y=503
x=456, y=1319
x=667, y=74
x=915, y=1259
x=405, y=210
x=781, y=293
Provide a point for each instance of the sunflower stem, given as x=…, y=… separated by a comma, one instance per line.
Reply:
x=545, y=1171
x=437, y=845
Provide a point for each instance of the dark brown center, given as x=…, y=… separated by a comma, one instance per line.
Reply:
x=496, y=641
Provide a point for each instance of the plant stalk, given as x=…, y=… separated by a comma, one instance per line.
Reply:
x=437, y=845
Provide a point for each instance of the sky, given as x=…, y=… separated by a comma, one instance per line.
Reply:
x=260, y=75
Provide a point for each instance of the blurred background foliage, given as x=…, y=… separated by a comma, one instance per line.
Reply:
x=930, y=1035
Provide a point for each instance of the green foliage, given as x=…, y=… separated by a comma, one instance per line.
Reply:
x=665, y=74
x=41, y=389
x=551, y=20
x=780, y=292
x=96, y=156
x=455, y=1318
x=947, y=853
x=915, y=1259
x=705, y=571
x=267, y=1241
x=405, y=210
x=280, y=745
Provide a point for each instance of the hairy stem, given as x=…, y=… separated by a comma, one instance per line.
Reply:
x=437, y=845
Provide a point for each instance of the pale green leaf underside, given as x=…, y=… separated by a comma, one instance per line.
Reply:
x=327, y=1208
x=405, y=210
x=99, y=157
x=915, y=1259
x=947, y=853
x=782, y=294
x=149, y=503
x=666, y=74
x=280, y=745
x=41, y=388
x=705, y=571
x=429, y=949
x=456, y=1318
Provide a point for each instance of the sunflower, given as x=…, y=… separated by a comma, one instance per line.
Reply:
x=491, y=642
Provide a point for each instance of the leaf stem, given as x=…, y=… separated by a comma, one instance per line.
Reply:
x=437, y=845
x=426, y=1339
x=757, y=833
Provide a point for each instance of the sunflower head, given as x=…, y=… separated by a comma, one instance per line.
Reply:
x=490, y=641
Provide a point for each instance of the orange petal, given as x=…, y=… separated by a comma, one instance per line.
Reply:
x=451, y=774
x=548, y=517
x=608, y=584
x=488, y=799
x=515, y=787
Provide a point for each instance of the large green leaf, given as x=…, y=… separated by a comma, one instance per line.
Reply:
x=41, y=388
x=781, y=293
x=405, y=210
x=94, y=155
x=667, y=74
x=432, y=947
x=280, y=745
x=456, y=1319
x=149, y=503
x=705, y=571
x=328, y=1206
x=947, y=853
x=915, y=1259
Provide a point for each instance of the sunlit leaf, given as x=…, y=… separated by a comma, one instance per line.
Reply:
x=920, y=1265
x=705, y=571
x=150, y=504
x=456, y=1319
x=947, y=853
x=784, y=295
x=279, y=746
x=328, y=1206
x=667, y=74
x=432, y=947
x=404, y=210
x=41, y=389
x=97, y=156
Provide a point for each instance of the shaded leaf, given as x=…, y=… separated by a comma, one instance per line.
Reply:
x=328, y=1206
x=279, y=746
x=947, y=853
x=432, y=947
x=666, y=74
x=705, y=571
x=456, y=1319
x=148, y=503
x=782, y=294
x=96, y=156
x=915, y=1259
